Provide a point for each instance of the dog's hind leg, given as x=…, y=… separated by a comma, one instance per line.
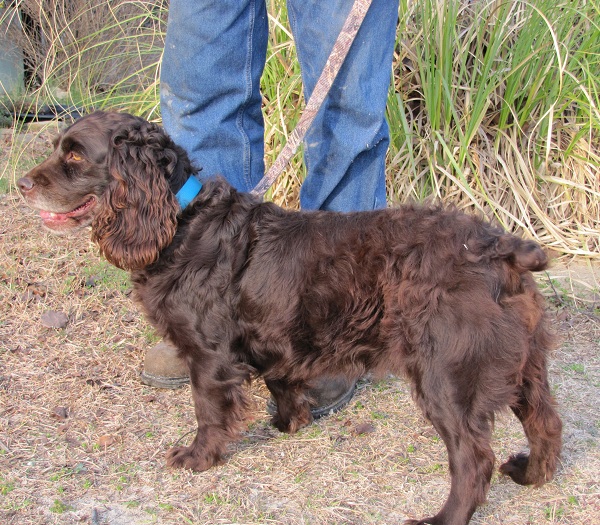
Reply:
x=293, y=407
x=534, y=404
x=543, y=428
x=466, y=431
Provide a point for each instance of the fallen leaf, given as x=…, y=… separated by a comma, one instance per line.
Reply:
x=363, y=428
x=106, y=441
x=37, y=289
x=53, y=319
x=60, y=412
x=28, y=296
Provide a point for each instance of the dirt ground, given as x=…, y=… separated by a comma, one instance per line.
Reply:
x=83, y=441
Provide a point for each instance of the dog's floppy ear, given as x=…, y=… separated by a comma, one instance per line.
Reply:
x=138, y=214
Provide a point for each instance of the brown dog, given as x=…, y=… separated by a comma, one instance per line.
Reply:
x=244, y=288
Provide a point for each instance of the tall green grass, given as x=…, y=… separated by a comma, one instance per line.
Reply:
x=494, y=105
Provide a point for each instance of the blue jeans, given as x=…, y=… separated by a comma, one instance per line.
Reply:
x=211, y=103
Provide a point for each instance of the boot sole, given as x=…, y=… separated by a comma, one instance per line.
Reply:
x=164, y=382
x=318, y=412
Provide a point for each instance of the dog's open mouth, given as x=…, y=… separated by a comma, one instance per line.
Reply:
x=57, y=221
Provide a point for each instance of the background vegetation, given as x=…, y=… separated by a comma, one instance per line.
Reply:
x=494, y=105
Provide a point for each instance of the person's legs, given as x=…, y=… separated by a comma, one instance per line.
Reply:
x=211, y=106
x=210, y=78
x=346, y=145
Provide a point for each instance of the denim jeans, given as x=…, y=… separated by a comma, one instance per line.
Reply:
x=214, y=56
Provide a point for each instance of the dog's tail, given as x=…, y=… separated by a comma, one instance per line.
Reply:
x=523, y=255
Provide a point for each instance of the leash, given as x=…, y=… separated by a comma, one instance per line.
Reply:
x=328, y=75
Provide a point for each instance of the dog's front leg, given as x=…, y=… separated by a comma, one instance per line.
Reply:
x=220, y=405
x=293, y=408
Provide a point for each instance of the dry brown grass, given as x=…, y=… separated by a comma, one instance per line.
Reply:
x=85, y=48
x=539, y=176
x=459, y=66
x=83, y=441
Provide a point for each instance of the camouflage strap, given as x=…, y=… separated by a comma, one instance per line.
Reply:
x=330, y=71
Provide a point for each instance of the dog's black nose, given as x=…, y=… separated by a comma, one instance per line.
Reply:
x=25, y=184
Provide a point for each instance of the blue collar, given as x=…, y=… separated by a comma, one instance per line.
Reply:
x=188, y=191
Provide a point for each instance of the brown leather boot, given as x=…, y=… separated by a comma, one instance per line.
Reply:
x=163, y=368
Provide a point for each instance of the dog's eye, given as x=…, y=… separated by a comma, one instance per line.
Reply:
x=74, y=156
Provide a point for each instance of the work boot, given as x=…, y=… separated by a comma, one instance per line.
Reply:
x=163, y=368
x=328, y=395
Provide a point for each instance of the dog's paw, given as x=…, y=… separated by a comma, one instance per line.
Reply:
x=516, y=468
x=190, y=458
x=424, y=521
x=291, y=425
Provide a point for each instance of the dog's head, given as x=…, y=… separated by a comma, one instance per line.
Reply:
x=110, y=170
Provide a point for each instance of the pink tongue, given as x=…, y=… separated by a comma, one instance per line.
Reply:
x=52, y=216
x=48, y=215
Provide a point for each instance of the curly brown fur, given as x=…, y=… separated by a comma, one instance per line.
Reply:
x=245, y=288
